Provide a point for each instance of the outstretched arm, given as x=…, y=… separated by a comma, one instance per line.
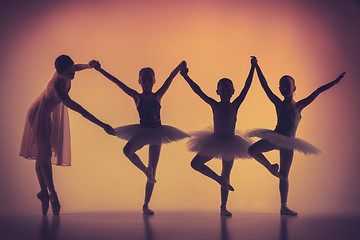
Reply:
x=184, y=72
x=160, y=93
x=306, y=101
x=126, y=89
x=80, y=67
x=248, y=82
x=67, y=101
x=273, y=98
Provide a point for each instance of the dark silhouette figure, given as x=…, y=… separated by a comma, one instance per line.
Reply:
x=283, y=137
x=46, y=136
x=222, y=142
x=150, y=131
x=49, y=231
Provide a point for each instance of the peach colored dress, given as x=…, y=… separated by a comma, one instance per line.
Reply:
x=46, y=136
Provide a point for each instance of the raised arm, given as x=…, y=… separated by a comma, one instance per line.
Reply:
x=162, y=90
x=184, y=72
x=273, y=98
x=67, y=101
x=80, y=67
x=248, y=82
x=131, y=92
x=306, y=101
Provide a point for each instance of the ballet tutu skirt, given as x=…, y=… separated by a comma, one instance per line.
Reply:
x=207, y=144
x=150, y=135
x=282, y=141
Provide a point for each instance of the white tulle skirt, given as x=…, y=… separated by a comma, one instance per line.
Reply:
x=282, y=141
x=148, y=135
x=207, y=144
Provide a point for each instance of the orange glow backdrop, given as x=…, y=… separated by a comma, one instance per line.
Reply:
x=313, y=42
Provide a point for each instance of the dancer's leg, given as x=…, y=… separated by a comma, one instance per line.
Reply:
x=129, y=150
x=41, y=179
x=46, y=171
x=154, y=154
x=226, y=170
x=43, y=195
x=256, y=151
x=198, y=164
x=286, y=158
x=43, y=169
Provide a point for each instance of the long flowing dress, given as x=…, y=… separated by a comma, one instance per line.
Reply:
x=46, y=136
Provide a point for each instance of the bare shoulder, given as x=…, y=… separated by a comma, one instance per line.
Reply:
x=300, y=105
x=215, y=104
x=136, y=97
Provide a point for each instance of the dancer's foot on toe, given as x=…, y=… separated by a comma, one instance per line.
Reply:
x=147, y=210
x=274, y=170
x=55, y=204
x=225, y=183
x=287, y=211
x=44, y=198
x=225, y=212
x=149, y=172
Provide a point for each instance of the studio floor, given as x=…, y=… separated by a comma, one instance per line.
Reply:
x=178, y=225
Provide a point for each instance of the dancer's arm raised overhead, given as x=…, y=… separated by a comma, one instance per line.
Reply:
x=162, y=90
x=131, y=92
x=60, y=88
x=80, y=67
x=184, y=72
x=247, y=85
x=273, y=98
x=306, y=101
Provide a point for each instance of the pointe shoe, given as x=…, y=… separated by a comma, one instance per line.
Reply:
x=148, y=211
x=150, y=174
x=44, y=198
x=274, y=170
x=225, y=184
x=55, y=204
x=287, y=211
x=225, y=212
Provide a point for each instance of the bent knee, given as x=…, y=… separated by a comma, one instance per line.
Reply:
x=128, y=150
x=195, y=165
x=252, y=150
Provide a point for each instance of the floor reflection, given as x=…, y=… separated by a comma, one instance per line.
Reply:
x=149, y=234
x=178, y=226
x=224, y=228
x=49, y=230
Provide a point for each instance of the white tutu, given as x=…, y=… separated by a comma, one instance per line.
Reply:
x=207, y=144
x=148, y=135
x=283, y=141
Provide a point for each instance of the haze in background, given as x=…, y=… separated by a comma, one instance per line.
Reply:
x=313, y=42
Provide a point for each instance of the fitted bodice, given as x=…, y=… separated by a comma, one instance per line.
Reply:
x=224, y=119
x=149, y=112
x=50, y=97
x=288, y=118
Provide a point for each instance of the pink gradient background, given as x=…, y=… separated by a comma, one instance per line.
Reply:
x=313, y=42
